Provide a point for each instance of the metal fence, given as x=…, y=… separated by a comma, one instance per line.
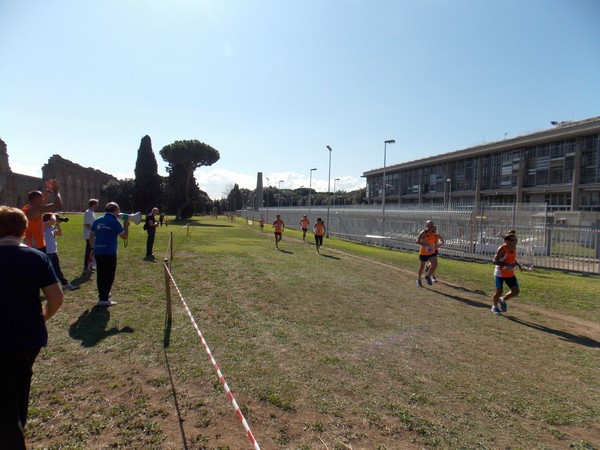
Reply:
x=469, y=234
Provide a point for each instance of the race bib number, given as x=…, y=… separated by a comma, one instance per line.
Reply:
x=430, y=249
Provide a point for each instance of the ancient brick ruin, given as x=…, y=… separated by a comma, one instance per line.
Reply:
x=78, y=184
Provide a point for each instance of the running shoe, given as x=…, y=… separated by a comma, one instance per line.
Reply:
x=106, y=303
x=428, y=279
x=495, y=310
x=419, y=284
x=503, y=305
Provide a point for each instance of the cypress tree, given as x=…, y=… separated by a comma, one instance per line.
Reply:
x=147, y=180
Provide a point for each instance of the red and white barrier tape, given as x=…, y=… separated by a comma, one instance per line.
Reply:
x=214, y=363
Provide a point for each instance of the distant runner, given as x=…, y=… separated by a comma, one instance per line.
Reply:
x=319, y=231
x=304, y=223
x=278, y=227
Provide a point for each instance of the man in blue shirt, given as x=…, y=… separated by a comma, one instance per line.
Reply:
x=103, y=238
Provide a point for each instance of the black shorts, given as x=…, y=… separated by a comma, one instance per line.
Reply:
x=318, y=240
x=426, y=257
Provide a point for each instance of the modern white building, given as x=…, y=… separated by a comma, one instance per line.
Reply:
x=559, y=167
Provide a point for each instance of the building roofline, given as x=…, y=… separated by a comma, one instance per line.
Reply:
x=562, y=130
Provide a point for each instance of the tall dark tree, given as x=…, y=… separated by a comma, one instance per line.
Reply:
x=234, y=198
x=184, y=157
x=147, y=180
x=121, y=192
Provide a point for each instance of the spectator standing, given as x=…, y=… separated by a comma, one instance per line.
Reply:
x=24, y=271
x=51, y=230
x=150, y=227
x=104, y=239
x=88, y=219
x=37, y=206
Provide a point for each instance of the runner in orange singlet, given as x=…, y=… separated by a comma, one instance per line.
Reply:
x=319, y=230
x=278, y=227
x=505, y=261
x=304, y=223
x=428, y=240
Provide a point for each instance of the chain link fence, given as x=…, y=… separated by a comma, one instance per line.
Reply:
x=469, y=234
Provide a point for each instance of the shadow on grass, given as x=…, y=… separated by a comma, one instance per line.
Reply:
x=91, y=327
x=166, y=342
x=463, y=300
x=83, y=278
x=329, y=256
x=576, y=339
x=193, y=224
x=285, y=251
x=464, y=289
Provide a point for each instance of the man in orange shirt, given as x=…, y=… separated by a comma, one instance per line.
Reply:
x=278, y=227
x=35, y=209
x=304, y=223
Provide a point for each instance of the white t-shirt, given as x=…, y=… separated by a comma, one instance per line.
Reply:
x=88, y=219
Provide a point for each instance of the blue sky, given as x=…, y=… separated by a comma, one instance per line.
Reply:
x=270, y=83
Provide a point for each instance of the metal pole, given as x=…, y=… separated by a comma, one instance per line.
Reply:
x=167, y=289
x=268, y=186
x=328, y=192
x=279, y=195
x=389, y=141
x=310, y=192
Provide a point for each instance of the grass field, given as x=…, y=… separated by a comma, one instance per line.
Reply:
x=337, y=351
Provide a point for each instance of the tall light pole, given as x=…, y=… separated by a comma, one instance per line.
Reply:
x=385, y=143
x=268, y=186
x=449, y=181
x=328, y=192
x=334, y=191
x=310, y=191
x=279, y=195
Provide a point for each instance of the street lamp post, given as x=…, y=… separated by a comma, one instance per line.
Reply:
x=385, y=143
x=279, y=195
x=268, y=186
x=334, y=191
x=328, y=192
x=449, y=181
x=310, y=191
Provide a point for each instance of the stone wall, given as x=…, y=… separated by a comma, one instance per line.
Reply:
x=14, y=186
x=77, y=183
